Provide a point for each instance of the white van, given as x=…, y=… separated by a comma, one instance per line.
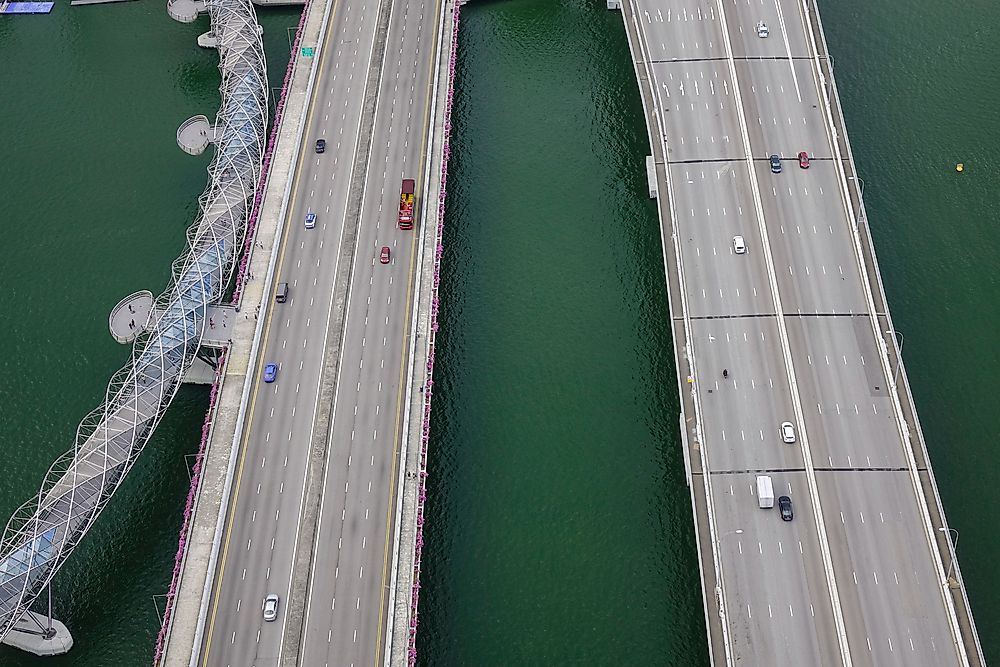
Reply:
x=765, y=492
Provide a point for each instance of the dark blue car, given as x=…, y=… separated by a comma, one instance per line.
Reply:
x=270, y=372
x=775, y=164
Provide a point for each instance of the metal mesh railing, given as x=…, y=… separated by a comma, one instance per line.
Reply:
x=42, y=533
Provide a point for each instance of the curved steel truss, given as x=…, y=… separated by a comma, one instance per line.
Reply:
x=43, y=532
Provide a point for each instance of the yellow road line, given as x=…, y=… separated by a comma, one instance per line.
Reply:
x=253, y=400
x=403, y=353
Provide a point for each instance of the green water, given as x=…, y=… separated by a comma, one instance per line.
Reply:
x=560, y=528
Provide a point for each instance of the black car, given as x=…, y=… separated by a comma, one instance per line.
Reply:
x=321, y=145
x=775, y=164
x=785, y=506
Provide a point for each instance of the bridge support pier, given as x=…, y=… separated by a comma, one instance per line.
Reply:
x=40, y=635
x=651, y=177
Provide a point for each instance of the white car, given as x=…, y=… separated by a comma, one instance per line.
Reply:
x=761, y=29
x=271, y=607
x=787, y=432
x=739, y=245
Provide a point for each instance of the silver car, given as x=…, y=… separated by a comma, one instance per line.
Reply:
x=787, y=432
x=271, y=607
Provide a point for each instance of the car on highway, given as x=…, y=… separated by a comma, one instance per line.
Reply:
x=384, y=255
x=803, y=160
x=761, y=29
x=775, y=163
x=787, y=432
x=785, y=507
x=321, y=145
x=739, y=245
x=271, y=607
x=310, y=220
x=270, y=372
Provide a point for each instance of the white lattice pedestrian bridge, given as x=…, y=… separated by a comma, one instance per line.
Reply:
x=43, y=532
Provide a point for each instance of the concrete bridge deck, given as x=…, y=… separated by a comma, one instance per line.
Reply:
x=269, y=520
x=865, y=573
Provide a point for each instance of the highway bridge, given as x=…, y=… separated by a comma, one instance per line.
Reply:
x=371, y=104
x=787, y=323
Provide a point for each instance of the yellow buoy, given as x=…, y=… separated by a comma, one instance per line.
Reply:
x=960, y=167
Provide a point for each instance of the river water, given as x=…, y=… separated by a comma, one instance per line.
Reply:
x=560, y=526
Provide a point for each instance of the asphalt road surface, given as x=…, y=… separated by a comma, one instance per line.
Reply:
x=346, y=607
x=348, y=589
x=852, y=579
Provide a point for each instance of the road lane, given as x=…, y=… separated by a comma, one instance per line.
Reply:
x=349, y=578
x=267, y=498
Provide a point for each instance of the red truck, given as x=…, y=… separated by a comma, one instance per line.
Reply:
x=406, y=204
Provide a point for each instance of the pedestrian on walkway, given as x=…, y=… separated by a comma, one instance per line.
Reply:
x=130, y=308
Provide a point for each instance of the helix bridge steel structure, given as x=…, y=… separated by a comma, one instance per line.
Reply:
x=43, y=532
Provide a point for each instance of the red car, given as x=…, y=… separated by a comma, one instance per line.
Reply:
x=804, y=160
x=384, y=255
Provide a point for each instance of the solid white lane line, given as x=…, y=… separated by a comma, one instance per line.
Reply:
x=788, y=49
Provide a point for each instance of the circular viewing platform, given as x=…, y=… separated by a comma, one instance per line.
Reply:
x=129, y=318
x=194, y=135
x=185, y=11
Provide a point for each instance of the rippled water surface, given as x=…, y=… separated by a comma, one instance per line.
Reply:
x=560, y=528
